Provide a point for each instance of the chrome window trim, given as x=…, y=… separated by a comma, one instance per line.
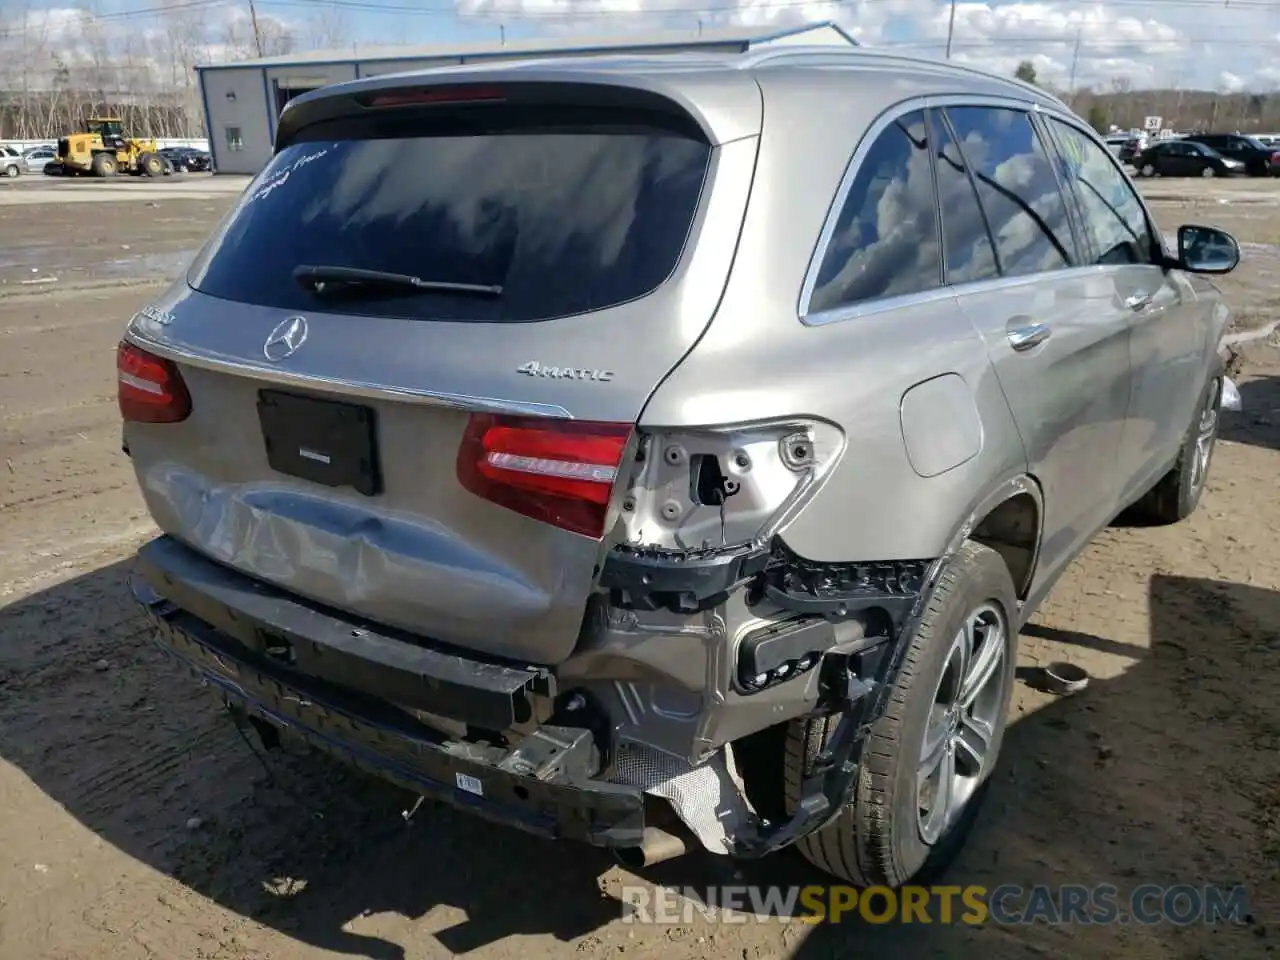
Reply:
x=349, y=388
x=881, y=304
x=970, y=287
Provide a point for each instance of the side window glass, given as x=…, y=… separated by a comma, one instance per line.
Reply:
x=1113, y=216
x=885, y=242
x=966, y=241
x=1024, y=207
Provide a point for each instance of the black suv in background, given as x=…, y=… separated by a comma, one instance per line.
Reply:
x=188, y=159
x=1259, y=160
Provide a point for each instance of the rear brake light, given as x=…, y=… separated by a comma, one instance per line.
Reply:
x=149, y=388
x=466, y=94
x=558, y=471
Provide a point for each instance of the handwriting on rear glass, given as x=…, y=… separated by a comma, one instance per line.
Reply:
x=279, y=178
x=535, y=369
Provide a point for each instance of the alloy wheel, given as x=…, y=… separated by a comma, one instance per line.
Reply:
x=967, y=710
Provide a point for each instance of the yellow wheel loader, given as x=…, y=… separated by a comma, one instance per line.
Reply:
x=104, y=151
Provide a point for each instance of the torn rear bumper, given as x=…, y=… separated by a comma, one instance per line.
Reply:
x=363, y=727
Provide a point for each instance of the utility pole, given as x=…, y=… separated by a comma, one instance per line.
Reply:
x=1075, y=60
x=951, y=28
x=257, y=34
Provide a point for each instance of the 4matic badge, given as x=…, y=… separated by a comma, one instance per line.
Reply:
x=535, y=369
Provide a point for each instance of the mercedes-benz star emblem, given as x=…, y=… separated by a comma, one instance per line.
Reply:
x=285, y=339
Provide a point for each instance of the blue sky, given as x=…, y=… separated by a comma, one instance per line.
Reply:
x=1216, y=44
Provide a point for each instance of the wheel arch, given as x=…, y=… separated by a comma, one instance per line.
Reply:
x=1010, y=520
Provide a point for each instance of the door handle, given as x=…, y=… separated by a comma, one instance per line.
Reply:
x=1138, y=301
x=1026, y=337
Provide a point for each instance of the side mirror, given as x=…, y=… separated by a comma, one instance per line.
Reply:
x=1206, y=250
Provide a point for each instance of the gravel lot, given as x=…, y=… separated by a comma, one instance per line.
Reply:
x=134, y=823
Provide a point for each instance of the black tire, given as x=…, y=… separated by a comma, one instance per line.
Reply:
x=12, y=171
x=876, y=840
x=1177, y=494
x=104, y=165
x=151, y=165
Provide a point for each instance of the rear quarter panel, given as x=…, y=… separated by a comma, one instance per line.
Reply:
x=758, y=360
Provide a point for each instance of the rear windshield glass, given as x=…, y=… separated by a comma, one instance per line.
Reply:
x=550, y=221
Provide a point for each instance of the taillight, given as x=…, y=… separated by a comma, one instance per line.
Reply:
x=149, y=388
x=558, y=471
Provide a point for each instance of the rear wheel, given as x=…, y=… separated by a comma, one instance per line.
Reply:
x=926, y=762
x=1208, y=172
x=1178, y=493
x=104, y=165
x=1148, y=170
x=151, y=165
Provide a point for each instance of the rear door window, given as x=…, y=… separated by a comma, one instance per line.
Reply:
x=885, y=242
x=1017, y=187
x=552, y=217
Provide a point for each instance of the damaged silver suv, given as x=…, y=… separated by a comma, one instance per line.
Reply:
x=664, y=452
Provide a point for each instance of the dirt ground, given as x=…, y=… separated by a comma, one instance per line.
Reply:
x=135, y=823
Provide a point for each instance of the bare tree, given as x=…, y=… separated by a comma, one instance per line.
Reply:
x=327, y=27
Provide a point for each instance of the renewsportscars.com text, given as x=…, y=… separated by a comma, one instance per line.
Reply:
x=1147, y=904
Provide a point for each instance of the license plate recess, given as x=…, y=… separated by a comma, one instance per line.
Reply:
x=325, y=441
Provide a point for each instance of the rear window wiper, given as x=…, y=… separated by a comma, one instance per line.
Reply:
x=319, y=278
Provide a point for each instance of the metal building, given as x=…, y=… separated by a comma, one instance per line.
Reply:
x=242, y=100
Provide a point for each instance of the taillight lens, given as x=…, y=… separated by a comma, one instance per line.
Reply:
x=559, y=472
x=149, y=388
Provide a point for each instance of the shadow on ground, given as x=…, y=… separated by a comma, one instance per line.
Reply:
x=1258, y=421
x=1098, y=788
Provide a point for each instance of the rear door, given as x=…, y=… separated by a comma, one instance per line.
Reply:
x=1057, y=337
x=417, y=347
x=1179, y=160
x=1170, y=332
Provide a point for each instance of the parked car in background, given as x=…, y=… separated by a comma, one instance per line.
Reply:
x=37, y=157
x=188, y=159
x=741, y=520
x=11, y=163
x=1126, y=146
x=1259, y=159
x=1183, y=158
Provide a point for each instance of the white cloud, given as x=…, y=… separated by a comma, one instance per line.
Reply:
x=46, y=46
x=1229, y=82
x=1097, y=43
x=1185, y=44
